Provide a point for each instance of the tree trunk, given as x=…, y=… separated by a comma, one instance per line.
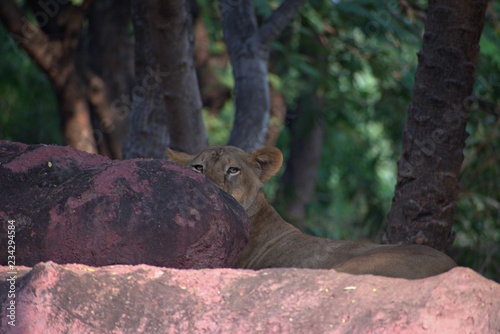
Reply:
x=298, y=182
x=214, y=94
x=434, y=137
x=110, y=58
x=306, y=125
x=52, y=47
x=148, y=133
x=248, y=48
x=172, y=44
x=251, y=91
x=74, y=112
x=278, y=114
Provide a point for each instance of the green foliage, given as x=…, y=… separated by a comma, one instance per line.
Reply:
x=366, y=77
x=28, y=109
x=478, y=215
x=218, y=125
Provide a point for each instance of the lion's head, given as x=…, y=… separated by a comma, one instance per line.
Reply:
x=238, y=173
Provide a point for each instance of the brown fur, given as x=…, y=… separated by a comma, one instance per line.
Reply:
x=275, y=243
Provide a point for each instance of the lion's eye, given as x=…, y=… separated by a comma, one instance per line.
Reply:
x=233, y=170
x=198, y=168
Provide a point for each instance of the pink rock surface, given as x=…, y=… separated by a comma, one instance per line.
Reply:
x=73, y=207
x=145, y=299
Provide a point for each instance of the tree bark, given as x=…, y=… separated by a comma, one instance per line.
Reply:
x=298, y=181
x=172, y=44
x=248, y=48
x=52, y=46
x=148, y=135
x=277, y=119
x=110, y=59
x=434, y=137
x=249, y=60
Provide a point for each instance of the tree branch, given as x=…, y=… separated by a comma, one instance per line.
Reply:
x=488, y=106
x=29, y=36
x=33, y=39
x=11, y=15
x=239, y=25
x=278, y=20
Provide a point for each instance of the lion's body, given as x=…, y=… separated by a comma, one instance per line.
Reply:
x=274, y=243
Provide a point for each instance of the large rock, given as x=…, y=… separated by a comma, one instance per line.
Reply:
x=72, y=207
x=144, y=299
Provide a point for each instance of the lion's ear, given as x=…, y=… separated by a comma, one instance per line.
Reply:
x=179, y=157
x=267, y=161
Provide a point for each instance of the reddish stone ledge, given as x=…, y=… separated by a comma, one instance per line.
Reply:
x=76, y=299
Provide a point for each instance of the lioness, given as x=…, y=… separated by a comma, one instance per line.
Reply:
x=276, y=243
